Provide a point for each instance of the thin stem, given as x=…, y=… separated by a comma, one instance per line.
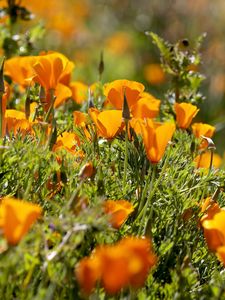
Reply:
x=211, y=160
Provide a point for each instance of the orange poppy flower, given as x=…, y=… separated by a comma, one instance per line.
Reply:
x=185, y=112
x=80, y=119
x=215, y=230
x=79, y=91
x=115, y=90
x=118, y=266
x=118, y=210
x=146, y=107
x=62, y=93
x=20, y=70
x=68, y=141
x=16, y=218
x=109, y=123
x=88, y=272
x=210, y=208
x=16, y=121
x=51, y=69
x=156, y=137
x=203, y=160
x=200, y=129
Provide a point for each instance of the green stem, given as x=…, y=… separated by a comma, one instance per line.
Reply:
x=153, y=187
x=211, y=161
x=143, y=212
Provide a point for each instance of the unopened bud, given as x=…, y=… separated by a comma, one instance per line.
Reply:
x=87, y=171
x=126, y=110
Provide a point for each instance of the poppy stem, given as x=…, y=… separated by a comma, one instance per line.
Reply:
x=211, y=160
x=126, y=154
x=153, y=187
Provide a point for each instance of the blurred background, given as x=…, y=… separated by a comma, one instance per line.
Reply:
x=82, y=29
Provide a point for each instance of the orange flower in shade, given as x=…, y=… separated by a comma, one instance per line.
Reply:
x=119, y=211
x=68, y=141
x=154, y=74
x=109, y=123
x=185, y=112
x=114, y=92
x=203, y=160
x=156, y=137
x=118, y=266
x=16, y=218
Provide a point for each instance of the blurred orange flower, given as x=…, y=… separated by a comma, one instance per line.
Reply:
x=156, y=137
x=16, y=218
x=154, y=74
x=203, y=160
x=119, y=43
x=185, y=112
x=109, y=123
x=118, y=266
x=119, y=211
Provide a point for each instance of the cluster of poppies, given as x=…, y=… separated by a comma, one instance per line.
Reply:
x=126, y=106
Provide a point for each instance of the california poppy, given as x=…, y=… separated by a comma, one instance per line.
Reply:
x=51, y=69
x=118, y=210
x=200, y=129
x=114, y=92
x=215, y=230
x=79, y=91
x=20, y=70
x=185, y=112
x=118, y=266
x=156, y=137
x=68, y=141
x=16, y=218
x=109, y=123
